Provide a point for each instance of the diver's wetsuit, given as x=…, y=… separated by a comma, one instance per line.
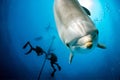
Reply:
x=53, y=59
x=38, y=49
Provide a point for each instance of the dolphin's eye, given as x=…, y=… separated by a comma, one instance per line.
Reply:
x=68, y=45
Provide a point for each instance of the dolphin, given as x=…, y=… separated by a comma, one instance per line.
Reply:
x=75, y=28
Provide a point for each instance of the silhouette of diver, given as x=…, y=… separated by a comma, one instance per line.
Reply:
x=52, y=57
x=53, y=61
x=37, y=49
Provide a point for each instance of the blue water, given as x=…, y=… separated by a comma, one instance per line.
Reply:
x=27, y=20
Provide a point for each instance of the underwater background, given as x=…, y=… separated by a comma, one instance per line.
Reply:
x=33, y=20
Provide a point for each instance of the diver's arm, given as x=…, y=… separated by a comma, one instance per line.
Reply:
x=28, y=52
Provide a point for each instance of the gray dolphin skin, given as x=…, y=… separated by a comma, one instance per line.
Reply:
x=75, y=28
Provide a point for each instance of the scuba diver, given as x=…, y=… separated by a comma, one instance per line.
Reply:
x=53, y=61
x=37, y=49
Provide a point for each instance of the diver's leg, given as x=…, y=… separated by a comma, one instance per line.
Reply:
x=29, y=51
x=26, y=45
x=58, y=66
x=30, y=45
x=53, y=67
x=31, y=48
x=54, y=70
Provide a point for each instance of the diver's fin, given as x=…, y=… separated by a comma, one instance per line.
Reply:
x=86, y=10
x=102, y=46
x=70, y=58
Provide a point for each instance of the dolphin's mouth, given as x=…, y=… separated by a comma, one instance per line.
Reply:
x=88, y=44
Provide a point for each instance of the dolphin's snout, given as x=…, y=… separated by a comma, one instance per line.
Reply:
x=89, y=45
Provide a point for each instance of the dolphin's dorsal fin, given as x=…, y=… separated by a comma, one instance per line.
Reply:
x=101, y=46
x=70, y=58
x=86, y=10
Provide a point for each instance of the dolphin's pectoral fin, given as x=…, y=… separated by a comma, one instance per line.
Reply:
x=102, y=46
x=70, y=58
x=86, y=10
x=71, y=54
